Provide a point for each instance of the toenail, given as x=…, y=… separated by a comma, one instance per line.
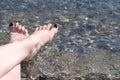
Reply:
x=11, y=24
x=55, y=25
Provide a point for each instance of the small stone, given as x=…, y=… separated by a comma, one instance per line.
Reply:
x=86, y=18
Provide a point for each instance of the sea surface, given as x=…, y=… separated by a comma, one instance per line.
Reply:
x=87, y=46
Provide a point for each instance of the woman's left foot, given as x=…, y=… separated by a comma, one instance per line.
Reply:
x=17, y=32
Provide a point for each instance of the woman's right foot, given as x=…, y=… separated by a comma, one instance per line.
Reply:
x=41, y=36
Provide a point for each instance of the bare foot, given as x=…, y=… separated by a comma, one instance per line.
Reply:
x=17, y=32
x=23, y=49
x=41, y=36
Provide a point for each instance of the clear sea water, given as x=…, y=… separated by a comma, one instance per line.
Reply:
x=88, y=28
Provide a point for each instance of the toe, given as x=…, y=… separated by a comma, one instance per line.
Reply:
x=54, y=29
x=11, y=24
x=26, y=32
x=37, y=28
x=44, y=27
x=19, y=28
x=49, y=26
x=23, y=30
x=12, y=27
x=17, y=24
x=40, y=28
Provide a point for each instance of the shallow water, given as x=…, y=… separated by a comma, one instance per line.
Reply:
x=88, y=40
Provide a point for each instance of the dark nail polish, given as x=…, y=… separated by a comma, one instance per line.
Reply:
x=55, y=25
x=11, y=24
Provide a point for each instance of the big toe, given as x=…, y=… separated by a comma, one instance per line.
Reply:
x=54, y=29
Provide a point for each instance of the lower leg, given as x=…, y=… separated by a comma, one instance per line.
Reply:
x=14, y=74
x=25, y=49
x=17, y=33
